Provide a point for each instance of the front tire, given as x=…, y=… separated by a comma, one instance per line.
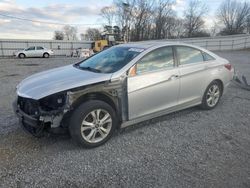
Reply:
x=46, y=55
x=212, y=95
x=92, y=123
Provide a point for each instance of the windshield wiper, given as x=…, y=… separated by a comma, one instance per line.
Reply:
x=89, y=69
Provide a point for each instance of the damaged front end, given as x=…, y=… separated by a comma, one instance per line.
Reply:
x=51, y=113
x=40, y=116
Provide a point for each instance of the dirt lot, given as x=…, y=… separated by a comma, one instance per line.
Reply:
x=191, y=148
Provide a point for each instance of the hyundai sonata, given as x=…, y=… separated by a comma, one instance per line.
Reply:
x=121, y=86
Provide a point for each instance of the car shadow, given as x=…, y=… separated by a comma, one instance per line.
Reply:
x=156, y=120
x=63, y=142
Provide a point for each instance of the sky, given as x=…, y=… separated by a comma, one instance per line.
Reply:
x=84, y=13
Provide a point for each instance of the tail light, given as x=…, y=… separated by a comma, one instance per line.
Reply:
x=228, y=66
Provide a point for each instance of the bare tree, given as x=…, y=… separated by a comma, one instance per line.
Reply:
x=234, y=16
x=93, y=34
x=163, y=11
x=124, y=16
x=108, y=13
x=84, y=37
x=194, y=14
x=175, y=27
x=141, y=14
x=70, y=32
x=58, y=35
x=248, y=25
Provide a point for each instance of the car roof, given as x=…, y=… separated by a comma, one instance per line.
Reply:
x=160, y=43
x=149, y=44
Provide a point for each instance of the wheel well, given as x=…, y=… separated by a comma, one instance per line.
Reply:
x=21, y=54
x=221, y=84
x=45, y=53
x=95, y=96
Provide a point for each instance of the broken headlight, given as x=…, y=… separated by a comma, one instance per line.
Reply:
x=53, y=102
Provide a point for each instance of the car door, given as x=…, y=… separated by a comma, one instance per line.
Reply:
x=30, y=52
x=155, y=85
x=192, y=74
x=39, y=51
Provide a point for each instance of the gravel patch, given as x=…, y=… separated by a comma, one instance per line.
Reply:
x=190, y=148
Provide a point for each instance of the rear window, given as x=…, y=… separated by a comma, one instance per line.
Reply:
x=208, y=57
x=188, y=55
x=39, y=48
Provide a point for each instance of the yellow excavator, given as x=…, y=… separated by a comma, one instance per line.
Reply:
x=107, y=41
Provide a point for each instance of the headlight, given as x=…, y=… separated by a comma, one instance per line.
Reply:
x=53, y=102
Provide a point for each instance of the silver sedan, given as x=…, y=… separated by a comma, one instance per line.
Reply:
x=121, y=86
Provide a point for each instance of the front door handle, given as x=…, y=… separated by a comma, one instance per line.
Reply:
x=173, y=77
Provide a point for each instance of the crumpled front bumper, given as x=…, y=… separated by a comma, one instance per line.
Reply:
x=29, y=123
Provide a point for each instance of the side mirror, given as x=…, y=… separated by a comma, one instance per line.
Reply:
x=132, y=71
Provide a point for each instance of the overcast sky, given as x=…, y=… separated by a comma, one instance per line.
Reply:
x=82, y=12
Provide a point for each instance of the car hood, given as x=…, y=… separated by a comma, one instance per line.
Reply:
x=56, y=80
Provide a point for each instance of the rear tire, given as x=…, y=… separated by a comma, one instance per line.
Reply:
x=46, y=55
x=212, y=96
x=92, y=123
x=21, y=56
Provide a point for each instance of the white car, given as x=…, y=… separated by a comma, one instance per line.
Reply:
x=34, y=51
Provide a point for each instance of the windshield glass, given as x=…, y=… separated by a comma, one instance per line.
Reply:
x=110, y=60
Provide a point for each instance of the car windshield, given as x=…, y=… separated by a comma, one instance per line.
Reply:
x=110, y=60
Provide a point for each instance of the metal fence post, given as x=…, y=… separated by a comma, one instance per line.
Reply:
x=232, y=44
x=220, y=45
x=206, y=44
x=245, y=43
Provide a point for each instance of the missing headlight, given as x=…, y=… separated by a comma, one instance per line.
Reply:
x=53, y=102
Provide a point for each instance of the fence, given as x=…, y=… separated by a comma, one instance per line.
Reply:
x=232, y=42
x=9, y=46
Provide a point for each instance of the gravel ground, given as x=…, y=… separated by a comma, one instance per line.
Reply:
x=190, y=148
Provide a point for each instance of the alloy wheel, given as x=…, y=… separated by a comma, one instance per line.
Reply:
x=96, y=126
x=213, y=95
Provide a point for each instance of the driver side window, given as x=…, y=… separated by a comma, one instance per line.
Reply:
x=157, y=59
x=30, y=48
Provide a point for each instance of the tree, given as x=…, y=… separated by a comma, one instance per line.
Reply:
x=108, y=13
x=83, y=37
x=164, y=13
x=175, y=28
x=193, y=21
x=117, y=33
x=108, y=29
x=70, y=32
x=93, y=34
x=233, y=15
x=58, y=35
x=248, y=25
x=124, y=16
x=142, y=12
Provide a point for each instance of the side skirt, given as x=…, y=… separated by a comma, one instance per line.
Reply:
x=160, y=113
